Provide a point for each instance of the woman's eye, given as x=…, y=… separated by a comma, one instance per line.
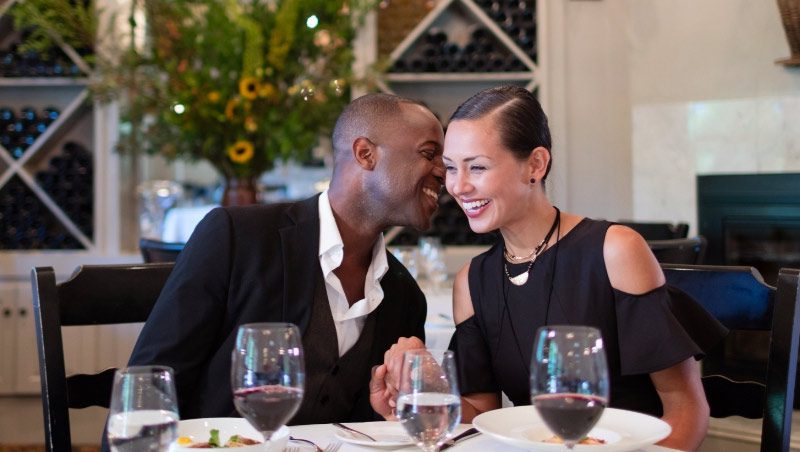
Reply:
x=477, y=168
x=449, y=168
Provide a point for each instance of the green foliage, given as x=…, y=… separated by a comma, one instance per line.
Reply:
x=240, y=83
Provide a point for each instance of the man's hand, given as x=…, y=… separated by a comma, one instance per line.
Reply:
x=385, y=379
x=393, y=360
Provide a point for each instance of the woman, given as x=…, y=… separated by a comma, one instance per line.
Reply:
x=555, y=267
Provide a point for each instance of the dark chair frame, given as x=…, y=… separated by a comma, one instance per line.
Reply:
x=658, y=231
x=690, y=250
x=740, y=300
x=157, y=251
x=93, y=295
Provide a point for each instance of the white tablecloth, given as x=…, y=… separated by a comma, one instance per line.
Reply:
x=179, y=222
x=323, y=434
x=439, y=326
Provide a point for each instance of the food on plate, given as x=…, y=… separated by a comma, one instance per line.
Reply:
x=213, y=441
x=586, y=441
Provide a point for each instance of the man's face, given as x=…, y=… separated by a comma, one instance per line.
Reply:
x=409, y=173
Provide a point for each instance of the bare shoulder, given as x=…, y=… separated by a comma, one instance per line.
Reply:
x=462, y=300
x=631, y=266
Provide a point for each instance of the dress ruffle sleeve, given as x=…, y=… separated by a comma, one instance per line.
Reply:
x=661, y=328
x=473, y=359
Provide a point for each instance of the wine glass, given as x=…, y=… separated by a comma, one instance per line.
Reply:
x=569, y=380
x=428, y=401
x=143, y=415
x=267, y=374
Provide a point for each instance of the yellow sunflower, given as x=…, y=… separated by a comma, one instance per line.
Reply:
x=230, y=107
x=248, y=87
x=241, y=151
x=213, y=96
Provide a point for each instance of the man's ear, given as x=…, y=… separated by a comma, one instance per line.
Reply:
x=365, y=153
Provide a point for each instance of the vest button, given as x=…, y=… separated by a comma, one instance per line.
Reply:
x=335, y=370
x=324, y=399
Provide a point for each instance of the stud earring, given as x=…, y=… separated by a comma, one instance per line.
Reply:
x=533, y=180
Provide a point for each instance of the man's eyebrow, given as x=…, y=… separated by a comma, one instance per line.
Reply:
x=432, y=143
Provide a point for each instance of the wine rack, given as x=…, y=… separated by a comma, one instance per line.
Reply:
x=459, y=48
x=463, y=46
x=47, y=177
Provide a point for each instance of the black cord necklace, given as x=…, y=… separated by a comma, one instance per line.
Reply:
x=522, y=278
x=506, y=287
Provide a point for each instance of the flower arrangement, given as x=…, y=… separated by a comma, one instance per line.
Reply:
x=240, y=83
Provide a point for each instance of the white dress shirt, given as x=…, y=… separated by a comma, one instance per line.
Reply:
x=349, y=320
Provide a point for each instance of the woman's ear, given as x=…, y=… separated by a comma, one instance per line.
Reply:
x=538, y=161
x=365, y=153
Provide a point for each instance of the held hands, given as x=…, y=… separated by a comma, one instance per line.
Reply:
x=385, y=380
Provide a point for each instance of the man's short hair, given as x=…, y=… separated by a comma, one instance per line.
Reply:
x=365, y=117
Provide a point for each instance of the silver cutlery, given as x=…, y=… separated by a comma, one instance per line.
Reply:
x=350, y=429
x=466, y=434
x=333, y=447
x=306, y=441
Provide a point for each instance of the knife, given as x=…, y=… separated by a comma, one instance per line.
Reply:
x=466, y=434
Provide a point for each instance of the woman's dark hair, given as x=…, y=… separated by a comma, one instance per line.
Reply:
x=520, y=121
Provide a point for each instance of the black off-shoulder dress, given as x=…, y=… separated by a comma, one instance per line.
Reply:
x=569, y=284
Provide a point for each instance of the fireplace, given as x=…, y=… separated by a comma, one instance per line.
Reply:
x=750, y=219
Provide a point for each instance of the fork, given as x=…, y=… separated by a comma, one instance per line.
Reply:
x=332, y=447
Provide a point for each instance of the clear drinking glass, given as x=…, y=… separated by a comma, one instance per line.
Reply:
x=428, y=401
x=143, y=415
x=268, y=374
x=569, y=380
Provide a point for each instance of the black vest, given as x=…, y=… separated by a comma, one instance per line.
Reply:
x=334, y=385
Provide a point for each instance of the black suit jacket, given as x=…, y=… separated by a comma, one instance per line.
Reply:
x=253, y=264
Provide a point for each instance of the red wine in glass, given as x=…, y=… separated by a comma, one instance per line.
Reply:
x=569, y=380
x=268, y=407
x=570, y=416
x=267, y=374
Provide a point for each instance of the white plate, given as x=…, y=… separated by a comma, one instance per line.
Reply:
x=622, y=430
x=388, y=434
x=198, y=430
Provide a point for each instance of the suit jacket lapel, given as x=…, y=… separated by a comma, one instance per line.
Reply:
x=300, y=245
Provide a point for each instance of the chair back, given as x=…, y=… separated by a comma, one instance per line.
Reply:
x=740, y=300
x=158, y=251
x=658, y=231
x=94, y=295
x=679, y=251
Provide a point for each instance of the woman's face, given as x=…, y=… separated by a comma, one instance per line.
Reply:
x=490, y=184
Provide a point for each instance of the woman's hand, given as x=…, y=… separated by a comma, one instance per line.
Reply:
x=385, y=381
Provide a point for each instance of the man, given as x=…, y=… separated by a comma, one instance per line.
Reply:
x=320, y=263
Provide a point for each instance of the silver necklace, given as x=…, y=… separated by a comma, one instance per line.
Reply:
x=522, y=278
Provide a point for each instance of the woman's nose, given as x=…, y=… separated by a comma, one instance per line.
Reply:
x=457, y=185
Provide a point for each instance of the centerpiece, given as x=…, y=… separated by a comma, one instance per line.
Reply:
x=239, y=83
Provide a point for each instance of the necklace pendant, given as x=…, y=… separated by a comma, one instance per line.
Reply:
x=520, y=279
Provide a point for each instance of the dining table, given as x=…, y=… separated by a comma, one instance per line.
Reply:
x=324, y=436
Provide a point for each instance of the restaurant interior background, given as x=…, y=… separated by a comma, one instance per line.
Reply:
x=643, y=97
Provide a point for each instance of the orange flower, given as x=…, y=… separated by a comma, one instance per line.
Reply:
x=250, y=124
x=230, y=107
x=248, y=88
x=241, y=151
x=213, y=96
x=268, y=91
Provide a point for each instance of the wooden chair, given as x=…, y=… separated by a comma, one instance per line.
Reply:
x=658, y=231
x=94, y=295
x=679, y=251
x=740, y=300
x=158, y=251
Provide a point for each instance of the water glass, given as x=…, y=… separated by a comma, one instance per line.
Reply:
x=428, y=401
x=569, y=380
x=268, y=374
x=143, y=415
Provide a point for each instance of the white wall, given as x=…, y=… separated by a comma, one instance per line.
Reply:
x=659, y=91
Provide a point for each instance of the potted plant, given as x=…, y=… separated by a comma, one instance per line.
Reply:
x=239, y=83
